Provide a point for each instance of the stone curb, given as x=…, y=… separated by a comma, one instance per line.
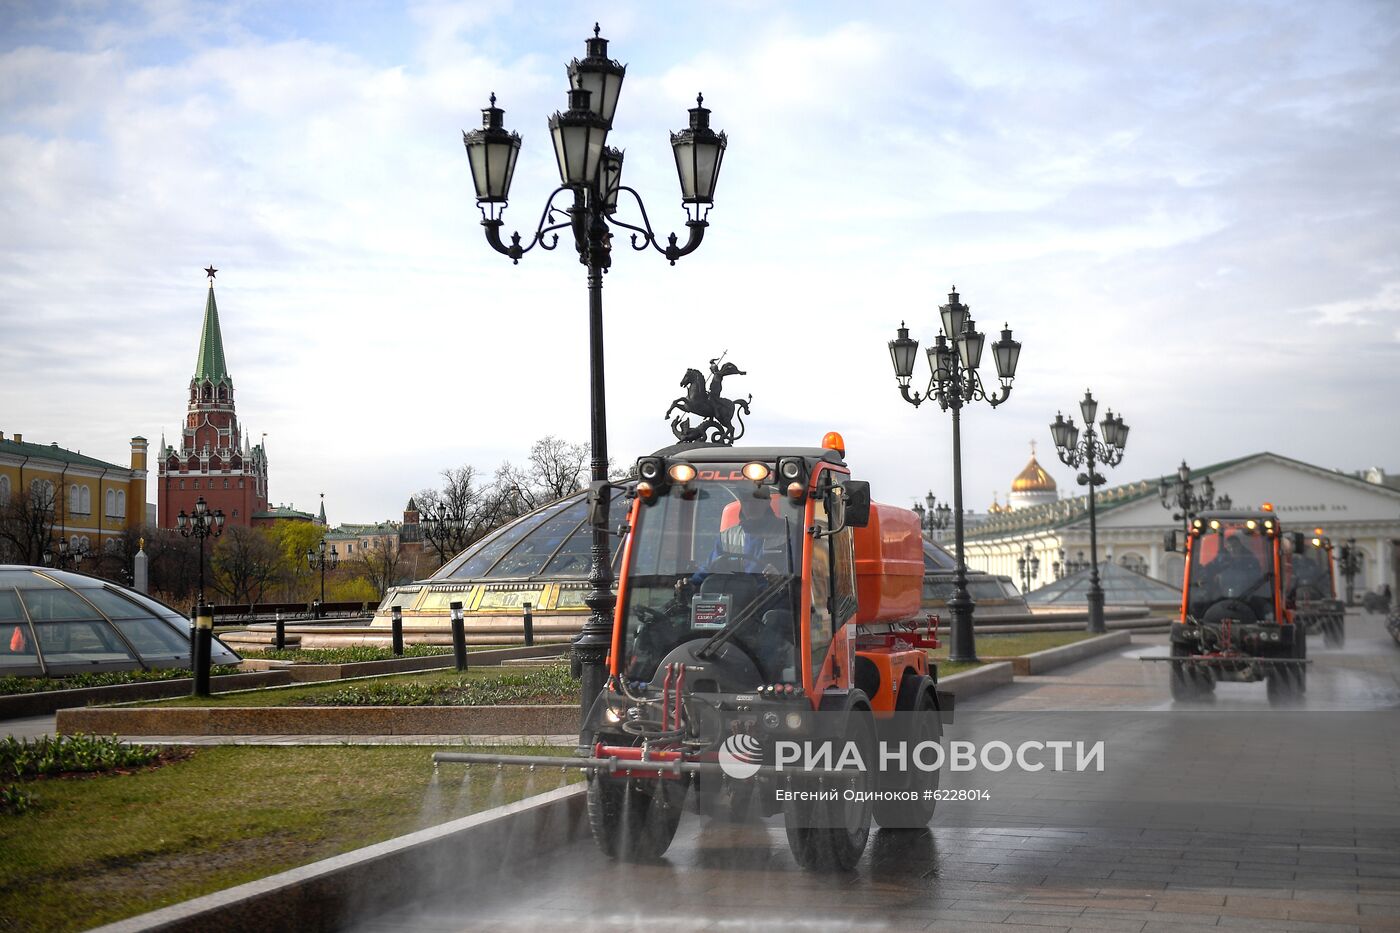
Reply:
x=339, y=891
x=48, y=701
x=320, y=720
x=979, y=680
x=1039, y=662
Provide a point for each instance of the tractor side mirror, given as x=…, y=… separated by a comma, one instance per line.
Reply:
x=857, y=503
x=1169, y=540
x=1300, y=541
x=598, y=501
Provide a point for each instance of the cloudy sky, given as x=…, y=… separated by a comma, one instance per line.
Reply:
x=1191, y=207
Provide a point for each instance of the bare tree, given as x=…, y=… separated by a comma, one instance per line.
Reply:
x=381, y=564
x=460, y=513
x=26, y=522
x=246, y=563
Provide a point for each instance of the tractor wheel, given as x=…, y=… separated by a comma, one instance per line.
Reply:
x=632, y=819
x=830, y=835
x=915, y=706
x=1187, y=679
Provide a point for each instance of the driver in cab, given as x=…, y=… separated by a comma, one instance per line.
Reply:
x=1233, y=569
x=756, y=542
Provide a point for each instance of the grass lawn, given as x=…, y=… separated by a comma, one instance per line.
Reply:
x=477, y=686
x=1011, y=646
x=96, y=849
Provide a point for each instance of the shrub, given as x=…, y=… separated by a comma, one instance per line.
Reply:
x=14, y=799
x=12, y=684
x=68, y=754
x=346, y=655
x=545, y=685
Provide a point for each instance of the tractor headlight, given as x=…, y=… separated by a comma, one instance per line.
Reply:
x=770, y=720
x=793, y=720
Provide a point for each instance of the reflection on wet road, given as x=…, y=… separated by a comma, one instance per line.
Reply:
x=1222, y=813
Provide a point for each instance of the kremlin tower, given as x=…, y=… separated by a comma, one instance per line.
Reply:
x=214, y=458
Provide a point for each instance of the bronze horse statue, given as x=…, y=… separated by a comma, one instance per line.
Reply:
x=716, y=413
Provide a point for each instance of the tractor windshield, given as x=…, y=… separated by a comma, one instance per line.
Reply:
x=711, y=557
x=1231, y=564
x=1312, y=572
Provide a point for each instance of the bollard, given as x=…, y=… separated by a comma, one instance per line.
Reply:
x=459, y=636
x=529, y=626
x=281, y=642
x=203, y=640
x=396, y=614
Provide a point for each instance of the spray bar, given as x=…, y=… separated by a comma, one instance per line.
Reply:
x=674, y=768
x=1240, y=659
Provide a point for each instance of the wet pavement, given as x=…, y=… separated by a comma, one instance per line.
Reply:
x=1223, y=813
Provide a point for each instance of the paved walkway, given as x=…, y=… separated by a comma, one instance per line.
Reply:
x=1325, y=857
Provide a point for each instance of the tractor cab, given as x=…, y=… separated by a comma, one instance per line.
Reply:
x=1312, y=587
x=1233, y=570
x=1236, y=619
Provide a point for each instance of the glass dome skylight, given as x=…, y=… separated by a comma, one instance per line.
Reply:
x=55, y=623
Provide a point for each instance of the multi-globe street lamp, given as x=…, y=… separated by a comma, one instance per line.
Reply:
x=1066, y=566
x=590, y=174
x=59, y=555
x=933, y=515
x=953, y=359
x=201, y=524
x=1074, y=453
x=1349, y=563
x=1029, y=566
x=1182, y=494
x=322, y=559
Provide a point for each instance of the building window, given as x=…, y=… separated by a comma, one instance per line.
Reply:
x=83, y=543
x=182, y=484
x=5, y=489
x=121, y=504
x=85, y=500
x=225, y=484
x=235, y=513
x=110, y=545
x=73, y=498
x=240, y=484
x=111, y=502
x=196, y=484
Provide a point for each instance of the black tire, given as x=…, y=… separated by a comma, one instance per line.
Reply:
x=832, y=835
x=915, y=700
x=1188, y=679
x=634, y=820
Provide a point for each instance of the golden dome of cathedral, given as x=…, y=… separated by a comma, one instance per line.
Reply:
x=1033, y=478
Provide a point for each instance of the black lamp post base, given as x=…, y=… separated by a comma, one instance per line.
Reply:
x=1095, y=600
x=963, y=647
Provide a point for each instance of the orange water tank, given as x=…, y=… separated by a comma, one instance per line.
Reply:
x=889, y=565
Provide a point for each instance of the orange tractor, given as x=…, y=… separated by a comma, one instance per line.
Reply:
x=1236, y=622
x=1314, y=589
x=762, y=600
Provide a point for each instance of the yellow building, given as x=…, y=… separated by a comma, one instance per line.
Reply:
x=50, y=494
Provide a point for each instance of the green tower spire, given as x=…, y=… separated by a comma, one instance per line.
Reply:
x=210, y=364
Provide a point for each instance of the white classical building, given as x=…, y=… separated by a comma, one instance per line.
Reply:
x=1131, y=520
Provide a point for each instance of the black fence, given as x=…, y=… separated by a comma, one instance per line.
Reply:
x=240, y=614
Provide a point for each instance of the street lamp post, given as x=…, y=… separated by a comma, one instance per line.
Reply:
x=953, y=359
x=1182, y=494
x=321, y=558
x=1350, y=566
x=1029, y=566
x=201, y=524
x=60, y=555
x=1091, y=450
x=933, y=516
x=590, y=175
